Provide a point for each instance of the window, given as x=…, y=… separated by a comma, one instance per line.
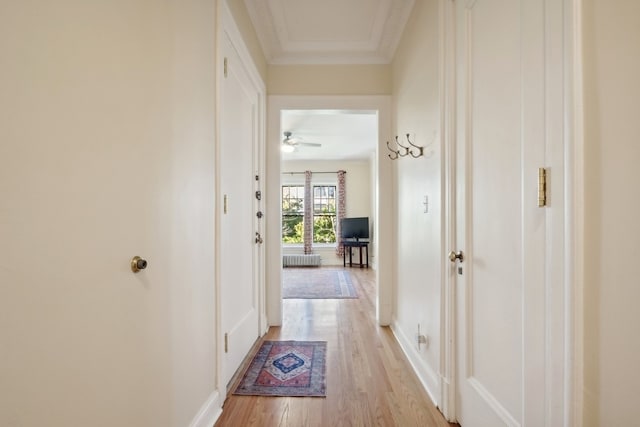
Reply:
x=324, y=213
x=292, y=213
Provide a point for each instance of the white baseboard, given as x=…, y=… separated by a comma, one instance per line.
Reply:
x=209, y=412
x=427, y=376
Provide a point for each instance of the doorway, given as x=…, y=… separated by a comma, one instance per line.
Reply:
x=289, y=108
x=325, y=153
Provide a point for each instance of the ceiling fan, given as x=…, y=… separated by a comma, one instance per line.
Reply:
x=290, y=144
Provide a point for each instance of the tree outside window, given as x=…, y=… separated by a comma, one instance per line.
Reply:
x=324, y=213
x=292, y=213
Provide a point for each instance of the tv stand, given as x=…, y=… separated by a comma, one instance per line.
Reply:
x=348, y=245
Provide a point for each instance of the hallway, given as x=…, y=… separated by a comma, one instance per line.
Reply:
x=369, y=380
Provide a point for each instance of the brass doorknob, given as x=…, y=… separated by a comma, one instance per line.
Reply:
x=453, y=256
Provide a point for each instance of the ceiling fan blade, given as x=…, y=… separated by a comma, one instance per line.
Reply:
x=294, y=142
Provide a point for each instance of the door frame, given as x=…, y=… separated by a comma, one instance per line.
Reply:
x=569, y=314
x=227, y=27
x=384, y=198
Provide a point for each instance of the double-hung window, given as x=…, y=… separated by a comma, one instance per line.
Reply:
x=323, y=212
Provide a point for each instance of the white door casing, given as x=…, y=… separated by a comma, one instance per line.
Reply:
x=240, y=260
x=384, y=214
x=509, y=123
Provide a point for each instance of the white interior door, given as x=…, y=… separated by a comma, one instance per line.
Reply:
x=239, y=285
x=501, y=282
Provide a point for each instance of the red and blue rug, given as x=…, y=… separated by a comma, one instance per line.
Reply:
x=286, y=368
x=318, y=283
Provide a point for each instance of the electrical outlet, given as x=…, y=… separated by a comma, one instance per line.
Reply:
x=424, y=340
x=421, y=339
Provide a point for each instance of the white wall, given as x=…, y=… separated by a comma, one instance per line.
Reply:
x=106, y=152
x=612, y=212
x=418, y=246
x=358, y=79
x=358, y=190
x=242, y=20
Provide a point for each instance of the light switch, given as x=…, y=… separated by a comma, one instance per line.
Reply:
x=425, y=202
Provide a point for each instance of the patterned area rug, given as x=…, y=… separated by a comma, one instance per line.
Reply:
x=317, y=283
x=286, y=368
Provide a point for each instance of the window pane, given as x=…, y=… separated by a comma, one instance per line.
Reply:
x=292, y=213
x=324, y=220
x=324, y=229
x=292, y=229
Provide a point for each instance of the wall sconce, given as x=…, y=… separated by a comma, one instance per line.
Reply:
x=403, y=150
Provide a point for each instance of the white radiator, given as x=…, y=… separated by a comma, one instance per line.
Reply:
x=309, y=260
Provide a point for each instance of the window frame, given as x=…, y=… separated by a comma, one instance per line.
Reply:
x=299, y=214
x=323, y=182
x=319, y=214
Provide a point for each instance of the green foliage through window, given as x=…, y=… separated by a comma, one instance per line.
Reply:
x=324, y=213
x=292, y=213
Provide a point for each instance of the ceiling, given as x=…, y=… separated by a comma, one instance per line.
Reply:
x=329, y=31
x=344, y=134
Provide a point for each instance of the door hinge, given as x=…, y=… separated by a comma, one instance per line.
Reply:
x=542, y=187
x=226, y=67
x=226, y=343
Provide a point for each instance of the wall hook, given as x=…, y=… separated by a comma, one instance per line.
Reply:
x=402, y=150
x=394, y=153
x=406, y=149
x=420, y=149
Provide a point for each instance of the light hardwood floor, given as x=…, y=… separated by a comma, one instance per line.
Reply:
x=369, y=380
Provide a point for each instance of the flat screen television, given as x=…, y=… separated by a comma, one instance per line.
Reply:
x=355, y=228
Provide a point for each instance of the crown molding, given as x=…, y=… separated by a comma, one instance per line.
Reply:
x=377, y=45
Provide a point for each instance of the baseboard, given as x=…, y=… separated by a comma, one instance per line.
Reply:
x=209, y=412
x=427, y=376
x=244, y=365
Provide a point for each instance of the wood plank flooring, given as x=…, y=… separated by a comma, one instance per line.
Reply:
x=369, y=380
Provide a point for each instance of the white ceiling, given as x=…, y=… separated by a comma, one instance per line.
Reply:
x=329, y=31
x=347, y=135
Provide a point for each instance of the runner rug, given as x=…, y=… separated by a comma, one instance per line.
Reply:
x=286, y=368
x=321, y=283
